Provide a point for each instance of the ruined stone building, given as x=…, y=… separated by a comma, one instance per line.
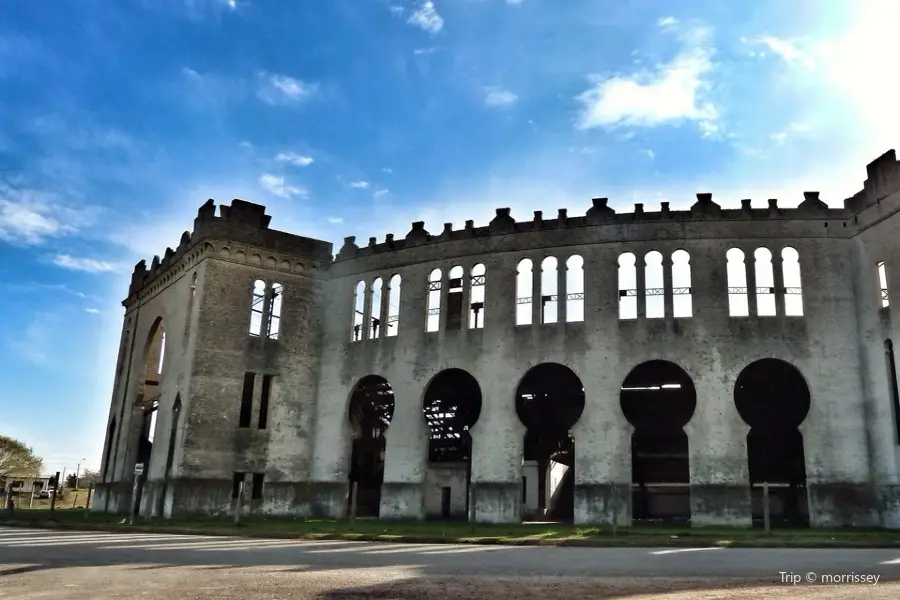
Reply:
x=646, y=366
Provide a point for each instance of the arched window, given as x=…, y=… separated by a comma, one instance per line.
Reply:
x=793, y=284
x=476, y=297
x=455, y=288
x=256, y=307
x=738, y=303
x=374, y=329
x=393, y=309
x=524, y=292
x=359, y=308
x=682, y=301
x=654, y=288
x=627, y=286
x=275, y=312
x=574, y=289
x=765, y=283
x=433, y=315
x=549, y=289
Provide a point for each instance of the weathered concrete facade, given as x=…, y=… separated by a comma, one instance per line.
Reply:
x=296, y=436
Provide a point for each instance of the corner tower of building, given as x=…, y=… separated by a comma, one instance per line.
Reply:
x=220, y=343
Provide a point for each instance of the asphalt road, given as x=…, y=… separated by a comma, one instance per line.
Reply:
x=42, y=563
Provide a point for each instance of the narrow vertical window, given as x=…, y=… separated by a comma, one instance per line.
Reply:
x=375, y=310
x=256, y=308
x=359, y=307
x=883, y=285
x=476, y=297
x=524, y=292
x=246, y=400
x=891, y=365
x=455, y=299
x=654, y=290
x=190, y=307
x=162, y=354
x=627, y=286
x=549, y=289
x=574, y=289
x=433, y=314
x=264, y=402
x=738, y=299
x=256, y=491
x=393, y=316
x=765, y=283
x=275, y=312
x=793, y=284
x=682, y=301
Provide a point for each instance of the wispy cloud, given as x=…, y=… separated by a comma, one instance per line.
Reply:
x=387, y=170
x=672, y=92
x=299, y=160
x=380, y=193
x=30, y=217
x=281, y=89
x=335, y=220
x=359, y=185
x=791, y=51
x=421, y=51
x=87, y=265
x=93, y=311
x=664, y=22
x=276, y=185
x=426, y=17
x=497, y=97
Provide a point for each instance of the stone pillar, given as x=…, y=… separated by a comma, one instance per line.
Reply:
x=536, y=312
x=640, y=267
x=750, y=269
x=561, y=270
x=778, y=280
x=406, y=454
x=668, y=298
x=717, y=436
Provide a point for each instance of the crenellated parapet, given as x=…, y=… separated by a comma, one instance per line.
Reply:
x=882, y=179
x=599, y=214
x=241, y=222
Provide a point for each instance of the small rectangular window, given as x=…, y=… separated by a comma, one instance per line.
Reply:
x=247, y=400
x=883, y=285
x=236, y=482
x=257, y=486
x=264, y=401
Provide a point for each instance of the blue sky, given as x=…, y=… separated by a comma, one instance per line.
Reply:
x=356, y=117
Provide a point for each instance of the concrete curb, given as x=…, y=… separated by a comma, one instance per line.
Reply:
x=632, y=541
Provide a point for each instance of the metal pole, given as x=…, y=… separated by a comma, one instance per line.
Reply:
x=74, y=499
x=766, y=523
x=354, y=492
x=8, y=502
x=134, y=493
x=472, y=504
x=31, y=502
x=238, y=508
x=87, y=504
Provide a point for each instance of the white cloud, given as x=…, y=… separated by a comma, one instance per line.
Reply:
x=673, y=92
x=514, y=2
x=276, y=185
x=282, y=89
x=650, y=154
x=295, y=159
x=421, y=51
x=380, y=193
x=26, y=217
x=387, y=170
x=335, y=220
x=93, y=311
x=498, y=97
x=87, y=265
x=792, y=51
x=396, y=10
x=664, y=22
x=359, y=185
x=426, y=17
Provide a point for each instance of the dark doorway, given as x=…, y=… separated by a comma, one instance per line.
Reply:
x=370, y=413
x=658, y=399
x=451, y=406
x=772, y=397
x=549, y=401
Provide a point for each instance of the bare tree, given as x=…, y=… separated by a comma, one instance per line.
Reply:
x=18, y=459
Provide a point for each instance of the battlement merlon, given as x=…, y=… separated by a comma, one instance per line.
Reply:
x=241, y=222
x=600, y=213
x=883, y=179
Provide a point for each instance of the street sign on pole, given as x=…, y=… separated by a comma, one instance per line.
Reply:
x=139, y=469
